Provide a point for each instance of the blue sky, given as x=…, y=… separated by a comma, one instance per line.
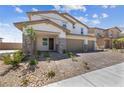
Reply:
x=104, y=16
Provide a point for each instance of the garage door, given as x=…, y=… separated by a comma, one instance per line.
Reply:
x=91, y=45
x=75, y=45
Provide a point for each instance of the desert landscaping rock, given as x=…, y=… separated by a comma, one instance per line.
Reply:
x=63, y=67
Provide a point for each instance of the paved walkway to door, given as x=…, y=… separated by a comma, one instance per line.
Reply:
x=112, y=76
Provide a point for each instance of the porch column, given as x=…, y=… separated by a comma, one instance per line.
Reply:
x=61, y=45
x=95, y=45
x=85, y=45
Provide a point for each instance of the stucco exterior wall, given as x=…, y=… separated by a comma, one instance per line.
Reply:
x=112, y=32
x=60, y=20
x=78, y=26
x=53, y=17
x=39, y=42
x=50, y=28
x=59, y=40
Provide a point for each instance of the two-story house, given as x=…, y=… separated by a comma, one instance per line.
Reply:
x=57, y=32
x=105, y=36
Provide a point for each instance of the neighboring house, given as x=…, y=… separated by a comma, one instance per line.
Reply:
x=105, y=36
x=57, y=32
x=1, y=40
x=122, y=35
x=99, y=33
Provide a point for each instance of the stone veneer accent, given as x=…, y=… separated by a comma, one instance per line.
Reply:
x=62, y=44
x=28, y=47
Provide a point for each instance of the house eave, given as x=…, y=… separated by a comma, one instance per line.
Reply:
x=20, y=25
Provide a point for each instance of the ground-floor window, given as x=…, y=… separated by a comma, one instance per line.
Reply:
x=45, y=42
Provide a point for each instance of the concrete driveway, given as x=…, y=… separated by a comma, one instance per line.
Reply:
x=112, y=76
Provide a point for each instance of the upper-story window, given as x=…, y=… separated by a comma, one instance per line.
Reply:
x=82, y=31
x=98, y=34
x=64, y=25
x=73, y=26
x=110, y=34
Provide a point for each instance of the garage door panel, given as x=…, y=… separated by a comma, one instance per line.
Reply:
x=91, y=45
x=75, y=45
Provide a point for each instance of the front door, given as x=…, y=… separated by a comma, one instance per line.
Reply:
x=51, y=44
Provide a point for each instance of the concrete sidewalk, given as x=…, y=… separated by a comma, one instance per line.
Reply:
x=112, y=76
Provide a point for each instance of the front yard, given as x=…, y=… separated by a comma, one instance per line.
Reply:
x=60, y=67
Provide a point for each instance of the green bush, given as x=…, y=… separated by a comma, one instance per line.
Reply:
x=7, y=59
x=51, y=74
x=33, y=62
x=13, y=59
x=46, y=54
x=70, y=54
x=18, y=56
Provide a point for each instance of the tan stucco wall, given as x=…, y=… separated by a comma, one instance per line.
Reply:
x=115, y=32
x=39, y=41
x=80, y=37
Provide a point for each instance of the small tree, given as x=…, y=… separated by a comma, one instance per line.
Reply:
x=31, y=35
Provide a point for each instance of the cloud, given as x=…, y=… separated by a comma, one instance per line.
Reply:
x=10, y=33
x=95, y=22
x=4, y=25
x=108, y=6
x=34, y=9
x=89, y=22
x=57, y=7
x=74, y=7
x=122, y=25
x=105, y=6
x=68, y=8
x=82, y=19
x=22, y=18
x=104, y=15
x=95, y=16
x=86, y=14
x=112, y=6
x=18, y=10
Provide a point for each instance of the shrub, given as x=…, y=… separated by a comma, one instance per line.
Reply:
x=13, y=59
x=33, y=62
x=46, y=54
x=7, y=59
x=51, y=74
x=18, y=56
x=70, y=54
